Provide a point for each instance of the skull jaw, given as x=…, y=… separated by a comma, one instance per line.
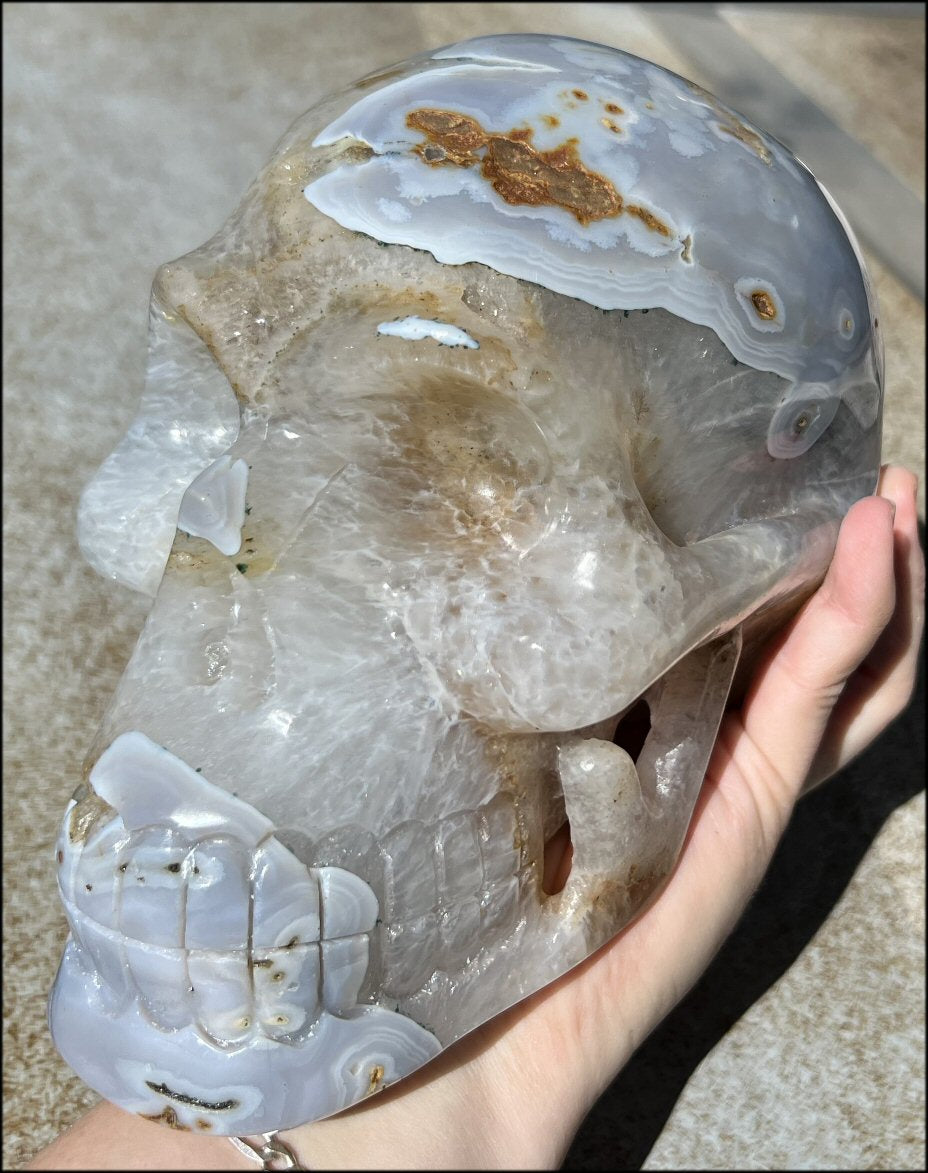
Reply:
x=175, y=1078
x=629, y=820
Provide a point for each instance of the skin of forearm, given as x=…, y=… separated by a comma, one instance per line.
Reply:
x=445, y=1119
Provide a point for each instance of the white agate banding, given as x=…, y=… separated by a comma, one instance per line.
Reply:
x=702, y=201
x=226, y=974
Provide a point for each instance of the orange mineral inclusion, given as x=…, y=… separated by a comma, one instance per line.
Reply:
x=520, y=173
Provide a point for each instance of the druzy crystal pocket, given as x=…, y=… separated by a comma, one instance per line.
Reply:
x=527, y=385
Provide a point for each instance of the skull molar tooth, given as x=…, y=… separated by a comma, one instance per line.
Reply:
x=460, y=926
x=499, y=905
x=459, y=858
x=410, y=887
x=407, y=950
x=344, y=965
x=499, y=839
x=348, y=904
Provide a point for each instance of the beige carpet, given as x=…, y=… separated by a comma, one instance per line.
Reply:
x=130, y=131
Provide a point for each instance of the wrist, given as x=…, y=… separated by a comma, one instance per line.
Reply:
x=437, y=1120
x=476, y=1106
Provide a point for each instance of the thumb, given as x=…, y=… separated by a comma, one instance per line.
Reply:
x=795, y=691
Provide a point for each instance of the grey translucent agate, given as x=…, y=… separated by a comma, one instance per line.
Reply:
x=432, y=486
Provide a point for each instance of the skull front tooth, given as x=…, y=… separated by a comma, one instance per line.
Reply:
x=152, y=897
x=160, y=978
x=287, y=984
x=218, y=914
x=222, y=998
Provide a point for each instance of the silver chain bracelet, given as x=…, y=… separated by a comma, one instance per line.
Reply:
x=268, y=1150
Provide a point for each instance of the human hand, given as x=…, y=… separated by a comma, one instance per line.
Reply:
x=512, y=1093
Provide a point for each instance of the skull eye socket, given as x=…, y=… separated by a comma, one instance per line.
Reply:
x=798, y=424
x=467, y=448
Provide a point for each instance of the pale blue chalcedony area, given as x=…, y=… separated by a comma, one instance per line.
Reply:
x=430, y=488
x=213, y=506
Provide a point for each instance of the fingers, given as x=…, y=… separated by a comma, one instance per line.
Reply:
x=881, y=687
x=893, y=659
x=790, y=703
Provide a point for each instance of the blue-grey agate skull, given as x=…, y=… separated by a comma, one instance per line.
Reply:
x=526, y=383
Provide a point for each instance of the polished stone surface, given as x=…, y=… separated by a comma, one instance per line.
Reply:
x=814, y=1057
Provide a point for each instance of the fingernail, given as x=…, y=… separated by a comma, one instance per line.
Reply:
x=892, y=506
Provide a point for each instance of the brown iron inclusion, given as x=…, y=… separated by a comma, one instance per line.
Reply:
x=520, y=173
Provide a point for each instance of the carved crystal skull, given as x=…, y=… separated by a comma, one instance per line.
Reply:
x=527, y=381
